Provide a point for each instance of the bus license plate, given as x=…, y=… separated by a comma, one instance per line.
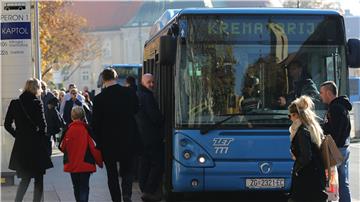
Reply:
x=256, y=183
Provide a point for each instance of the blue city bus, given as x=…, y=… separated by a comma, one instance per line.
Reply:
x=123, y=70
x=203, y=61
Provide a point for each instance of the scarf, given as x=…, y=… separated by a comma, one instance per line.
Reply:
x=293, y=128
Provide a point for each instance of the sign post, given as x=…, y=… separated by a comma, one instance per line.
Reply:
x=17, y=65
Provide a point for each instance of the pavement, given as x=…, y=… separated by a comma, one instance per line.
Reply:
x=58, y=186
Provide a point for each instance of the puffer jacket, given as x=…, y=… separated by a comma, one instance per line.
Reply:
x=80, y=154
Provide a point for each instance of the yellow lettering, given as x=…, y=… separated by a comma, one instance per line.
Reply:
x=223, y=28
x=310, y=28
x=301, y=28
x=247, y=28
x=258, y=28
x=235, y=28
x=291, y=28
x=211, y=29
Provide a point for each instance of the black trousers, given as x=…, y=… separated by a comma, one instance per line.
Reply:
x=151, y=171
x=81, y=186
x=113, y=174
x=38, y=188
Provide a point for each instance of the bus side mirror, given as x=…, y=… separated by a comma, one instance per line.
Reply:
x=354, y=53
x=167, y=51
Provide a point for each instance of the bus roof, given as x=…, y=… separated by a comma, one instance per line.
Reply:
x=257, y=11
x=124, y=66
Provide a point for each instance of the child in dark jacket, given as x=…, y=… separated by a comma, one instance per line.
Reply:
x=80, y=154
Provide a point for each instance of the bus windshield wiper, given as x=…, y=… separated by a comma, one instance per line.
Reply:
x=208, y=128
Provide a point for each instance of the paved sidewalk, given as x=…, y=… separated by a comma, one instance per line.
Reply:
x=58, y=186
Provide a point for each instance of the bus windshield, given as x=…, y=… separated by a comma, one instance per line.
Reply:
x=254, y=66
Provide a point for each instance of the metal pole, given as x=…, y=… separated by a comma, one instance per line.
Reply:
x=140, y=45
x=37, y=42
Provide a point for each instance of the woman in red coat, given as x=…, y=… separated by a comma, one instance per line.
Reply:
x=80, y=154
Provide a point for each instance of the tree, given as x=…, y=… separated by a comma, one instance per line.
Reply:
x=63, y=40
x=311, y=4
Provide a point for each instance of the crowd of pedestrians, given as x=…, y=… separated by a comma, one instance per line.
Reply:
x=89, y=130
x=122, y=127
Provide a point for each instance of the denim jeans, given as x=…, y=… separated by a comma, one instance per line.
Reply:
x=81, y=186
x=38, y=188
x=343, y=172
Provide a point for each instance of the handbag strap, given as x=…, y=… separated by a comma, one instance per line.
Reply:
x=28, y=117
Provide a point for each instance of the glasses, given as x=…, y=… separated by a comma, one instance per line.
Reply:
x=74, y=93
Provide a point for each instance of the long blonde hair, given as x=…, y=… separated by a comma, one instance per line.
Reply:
x=33, y=85
x=304, y=107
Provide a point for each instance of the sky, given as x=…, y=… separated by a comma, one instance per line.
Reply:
x=353, y=5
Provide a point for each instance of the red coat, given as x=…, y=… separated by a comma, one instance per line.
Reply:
x=80, y=154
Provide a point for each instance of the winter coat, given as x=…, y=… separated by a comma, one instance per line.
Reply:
x=29, y=155
x=112, y=122
x=308, y=174
x=80, y=154
x=149, y=120
x=337, y=121
x=53, y=118
x=46, y=98
x=69, y=104
x=303, y=87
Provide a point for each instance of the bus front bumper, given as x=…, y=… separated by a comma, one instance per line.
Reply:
x=232, y=176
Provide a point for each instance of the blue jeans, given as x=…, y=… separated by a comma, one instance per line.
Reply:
x=343, y=172
x=81, y=186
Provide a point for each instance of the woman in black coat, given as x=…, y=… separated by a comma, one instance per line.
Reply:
x=308, y=174
x=29, y=156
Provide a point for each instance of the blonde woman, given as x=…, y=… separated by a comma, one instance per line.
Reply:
x=308, y=174
x=29, y=157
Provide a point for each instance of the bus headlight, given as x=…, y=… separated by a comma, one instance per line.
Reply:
x=194, y=183
x=187, y=155
x=202, y=159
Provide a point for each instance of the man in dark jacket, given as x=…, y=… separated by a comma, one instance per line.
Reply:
x=69, y=104
x=301, y=85
x=150, y=123
x=112, y=128
x=53, y=118
x=46, y=96
x=337, y=124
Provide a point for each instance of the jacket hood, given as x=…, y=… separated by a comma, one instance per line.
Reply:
x=344, y=101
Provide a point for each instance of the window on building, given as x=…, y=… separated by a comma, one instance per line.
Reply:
x=85, y=75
